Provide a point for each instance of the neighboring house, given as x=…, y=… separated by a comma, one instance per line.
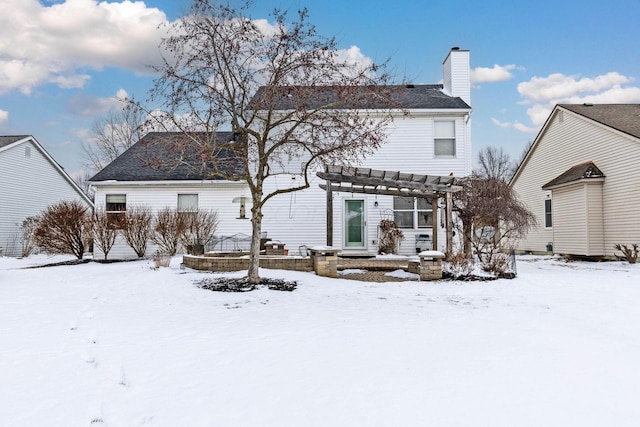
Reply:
x=433, y=139
x=580, y=178
x=30, y=181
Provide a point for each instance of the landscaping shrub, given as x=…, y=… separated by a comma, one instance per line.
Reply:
x=64, y=228
x=630, y=252
x=168, y=226
x=136, y=228
x=103, y=232
x=197, y=230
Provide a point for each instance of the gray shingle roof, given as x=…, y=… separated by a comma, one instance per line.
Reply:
x=10, y=139
x=164, y=156
x=355, y=97
x=623, y=117
x=586, y=170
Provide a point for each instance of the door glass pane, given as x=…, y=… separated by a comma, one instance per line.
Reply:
x=354, y=222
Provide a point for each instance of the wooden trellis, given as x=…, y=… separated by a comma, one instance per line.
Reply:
x=389, y=183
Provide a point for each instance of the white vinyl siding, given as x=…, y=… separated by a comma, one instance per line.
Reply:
x=573, y=141
x=216, y=197
x=595, y=219
x=30, y=183
x=569, y=235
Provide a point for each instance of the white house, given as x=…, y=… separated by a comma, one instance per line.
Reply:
x=580, y=180
x=433, y=139
x=30, y=180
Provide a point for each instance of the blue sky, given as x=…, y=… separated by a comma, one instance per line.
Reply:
x=63, y=62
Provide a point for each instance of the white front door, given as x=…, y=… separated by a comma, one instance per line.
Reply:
x=354, y=224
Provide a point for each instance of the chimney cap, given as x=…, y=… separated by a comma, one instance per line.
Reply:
x=455, y=48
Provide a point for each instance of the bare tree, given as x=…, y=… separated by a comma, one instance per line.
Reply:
x=283, y=91
x=111, y=135
x=103, y=231
x=495, y=163
x=64, y=228
x=492, y=220
x=136, y=228
x=82, y=181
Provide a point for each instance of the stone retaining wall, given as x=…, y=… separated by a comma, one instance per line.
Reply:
x=226, y=263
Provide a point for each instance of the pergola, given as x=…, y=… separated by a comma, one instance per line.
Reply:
x=389, y=183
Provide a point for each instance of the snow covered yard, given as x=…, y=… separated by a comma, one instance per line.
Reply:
x=126, y=345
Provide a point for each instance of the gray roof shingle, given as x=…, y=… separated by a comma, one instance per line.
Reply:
x=623, y=117
x=587, y=170
x=355, y=97
x=165, y=156
x=10, y=139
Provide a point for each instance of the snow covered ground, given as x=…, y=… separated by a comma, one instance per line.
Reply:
x=126, y=345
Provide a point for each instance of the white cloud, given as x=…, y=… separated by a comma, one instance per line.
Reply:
x=88, y=105
x=50, y=44
x=4, y=117
x=559, y=86
x=497, y=73
x=516, y=125
x=543, y=93
x=524, y=129
x=503, y=125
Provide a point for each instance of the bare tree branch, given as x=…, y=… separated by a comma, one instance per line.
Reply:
x=280, y=87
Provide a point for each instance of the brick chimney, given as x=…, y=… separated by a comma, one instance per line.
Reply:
x=457, y=74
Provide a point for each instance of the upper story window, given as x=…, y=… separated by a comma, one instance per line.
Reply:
x=115, y=206
x=407, y=212
x=187, y=202
x=444, y=136
x=548, y=223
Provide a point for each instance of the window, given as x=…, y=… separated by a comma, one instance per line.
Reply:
x=425, y=215
x=547, y=213
x=116, y=205
x=187, y=202
x=444, y=137
x=403, y=211
x=407, y=212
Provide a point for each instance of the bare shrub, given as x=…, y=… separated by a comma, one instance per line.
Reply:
x=198, y=229
x=168, y=226
x=136, y=228
x=630, y=252
x=103, y=231
x=27, y=229
x=161, y=259
x=458, y=265
x=390, y=237
x=64, y=228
